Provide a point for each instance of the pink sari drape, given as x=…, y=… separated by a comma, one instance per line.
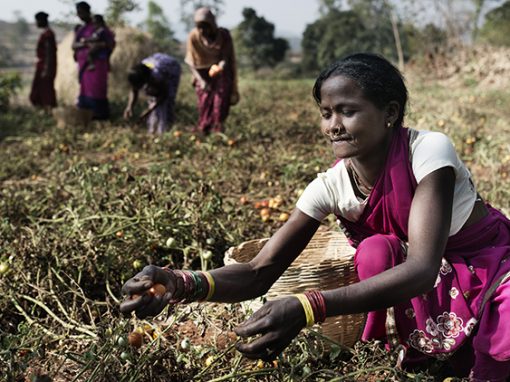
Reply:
x=474, y=263
x=93, y=83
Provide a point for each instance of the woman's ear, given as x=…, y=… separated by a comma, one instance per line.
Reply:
x=392, y=112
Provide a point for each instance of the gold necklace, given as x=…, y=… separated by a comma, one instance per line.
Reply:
x=362, y=187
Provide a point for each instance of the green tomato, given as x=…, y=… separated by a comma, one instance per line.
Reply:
x=124, y=355
x=137, y=264
x=170, y=242
x=206, y=255
x=210, y=241
x=121, y=341
x=4, y=268
x=185, y=344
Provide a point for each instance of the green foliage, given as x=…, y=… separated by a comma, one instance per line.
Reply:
x=158, y=26
x=21, y=25
x=326, y=6
x=421, y=42
x=188, y=8
x=255, y=43
x=10, y=83
x=329, y=38
x=496, y=29
x=117, y=9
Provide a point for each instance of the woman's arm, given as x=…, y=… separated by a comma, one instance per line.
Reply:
x=429, y=225
x=133, y=97
x=238, y=282
x=196, y=75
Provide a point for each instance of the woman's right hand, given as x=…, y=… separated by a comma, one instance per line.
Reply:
x=138, y=296
x=128, y=113
x=203, y=84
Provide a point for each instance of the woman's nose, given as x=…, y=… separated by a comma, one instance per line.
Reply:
x=334, y=126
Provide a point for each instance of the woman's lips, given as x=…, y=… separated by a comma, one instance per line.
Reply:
x=340, y=138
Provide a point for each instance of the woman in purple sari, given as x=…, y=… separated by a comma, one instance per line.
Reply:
x=431, y=255
x=93, y=78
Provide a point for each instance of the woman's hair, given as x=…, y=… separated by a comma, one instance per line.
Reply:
x=380, y=81
x=139, y=75
x=41, y=16
x=83, y=5
x=98, y=19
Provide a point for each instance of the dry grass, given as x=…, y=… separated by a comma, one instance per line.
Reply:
x=81, y=208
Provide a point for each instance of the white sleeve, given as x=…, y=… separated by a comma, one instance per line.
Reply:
x=316, y=201
x=432, y=151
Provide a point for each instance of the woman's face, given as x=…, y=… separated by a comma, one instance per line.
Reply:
x=354, y=125
x=83, y=14
x=205, y=29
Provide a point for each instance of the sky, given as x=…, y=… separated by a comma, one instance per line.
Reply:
x=289, y=16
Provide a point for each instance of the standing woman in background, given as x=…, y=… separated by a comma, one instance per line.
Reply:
x=210, y=56
x=43, y=89
x=93, y=83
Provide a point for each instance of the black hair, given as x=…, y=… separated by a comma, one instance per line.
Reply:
x=139, y=75
x=380, y=81
x=83, y=5
x=98, y=19
x=41, y=16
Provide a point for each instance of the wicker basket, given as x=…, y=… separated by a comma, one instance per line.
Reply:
x=326, y=263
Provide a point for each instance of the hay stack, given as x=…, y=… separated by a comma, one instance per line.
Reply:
x=132, y=46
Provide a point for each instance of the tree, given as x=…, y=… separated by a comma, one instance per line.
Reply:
x=376, y=17
x=117, y=9
x=188, y=8
x=326, y=6
x=496, y=29
x=255, y=41
x=21, y=30
x=159, y=28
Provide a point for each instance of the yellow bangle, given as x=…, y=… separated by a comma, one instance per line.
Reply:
x=307, y=307
x=212, y=285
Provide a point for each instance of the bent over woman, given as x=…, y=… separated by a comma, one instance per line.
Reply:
x=210, y=56
x=431, y=255
x=159, y=76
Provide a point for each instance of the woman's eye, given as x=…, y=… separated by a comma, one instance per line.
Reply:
x=348, y=113
x=325, y=115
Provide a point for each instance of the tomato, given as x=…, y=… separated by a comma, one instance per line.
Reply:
x=158, y=290
x=206, y=255
x=137, y=264
x=4, y=268
x=135, y=339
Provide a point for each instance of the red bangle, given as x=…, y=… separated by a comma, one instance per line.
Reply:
x=318, y=305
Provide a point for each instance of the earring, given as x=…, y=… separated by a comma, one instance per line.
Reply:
x=388, y=124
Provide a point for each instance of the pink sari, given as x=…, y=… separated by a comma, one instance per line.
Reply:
x=93, y=83
x=468, y=298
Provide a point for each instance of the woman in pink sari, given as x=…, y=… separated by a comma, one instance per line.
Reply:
x=431, y=255
x=93, y=78
x=210, y=56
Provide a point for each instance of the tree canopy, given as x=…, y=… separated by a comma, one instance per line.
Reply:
x=496, y=29
x=256, y=44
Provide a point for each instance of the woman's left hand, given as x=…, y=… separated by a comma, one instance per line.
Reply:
x=277, y=322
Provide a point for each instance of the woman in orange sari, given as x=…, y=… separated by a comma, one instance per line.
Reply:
x=210, y=56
